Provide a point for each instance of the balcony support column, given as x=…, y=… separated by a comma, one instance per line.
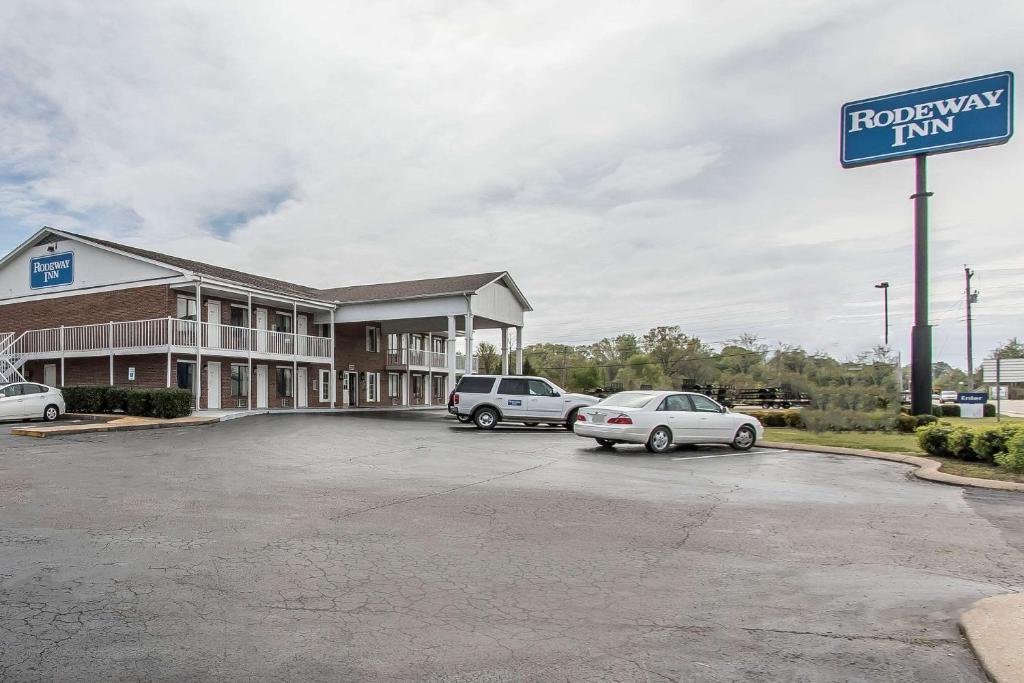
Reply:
x=429, y=381
x=170, y=330
x=519, y=349
x=295, y=358
x=504, y=350
x=449, y=346
x=62, y=355
x=334, y=382
x=248, y=351
x=110, y=345
x=469, y=344
x=198, y=376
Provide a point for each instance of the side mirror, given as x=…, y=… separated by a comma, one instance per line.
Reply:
x=555, y=394
x=725, y=409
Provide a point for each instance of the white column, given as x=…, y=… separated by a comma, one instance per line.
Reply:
x=519, y=349
x=504, y=350
x=405, y=399
x=469, y=343
x=170, y=328
x=198, y=375
x=62, y=355
x=110, y=340
x=449, y=346
x=334, y=381
x=295, y=358
x=248, y=351
x=429, y=380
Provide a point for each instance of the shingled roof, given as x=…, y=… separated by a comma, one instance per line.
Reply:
x=248, y=279
x=412, y=289
x=406, y=289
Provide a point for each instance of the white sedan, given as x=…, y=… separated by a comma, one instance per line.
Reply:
x=659, y=419
x=28, y=400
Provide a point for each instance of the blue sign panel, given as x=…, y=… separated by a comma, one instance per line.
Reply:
x=52, y=270
x=942, y=118
x=972, y=397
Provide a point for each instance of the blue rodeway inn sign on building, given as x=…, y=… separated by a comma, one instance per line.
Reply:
x=52, y=270
x=940, y=118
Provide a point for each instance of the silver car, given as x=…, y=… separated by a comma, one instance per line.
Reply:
x=490, y=399
x=28, y=400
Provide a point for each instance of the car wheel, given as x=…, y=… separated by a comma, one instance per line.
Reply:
x=485, y=418
x=463, y=418
x=570, y=421
x=660, y=440
x=744, y=439
x=51, y=413
x=606, y=443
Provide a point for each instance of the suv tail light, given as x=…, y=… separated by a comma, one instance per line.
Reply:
x=580, y=417
x=455, y=399
x=621, y=420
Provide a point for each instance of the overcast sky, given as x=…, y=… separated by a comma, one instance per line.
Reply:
x=630, y=163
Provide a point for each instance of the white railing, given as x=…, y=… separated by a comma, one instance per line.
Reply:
x=395, y=357
x=438, y=359
x=417, y=357
x=155, y=333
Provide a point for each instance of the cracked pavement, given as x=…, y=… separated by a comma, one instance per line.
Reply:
x=407, y=547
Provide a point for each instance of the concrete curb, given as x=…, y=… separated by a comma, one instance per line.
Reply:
x=994, y=627
x=117, y=425
x=927, y=468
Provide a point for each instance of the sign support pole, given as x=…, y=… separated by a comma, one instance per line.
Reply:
x=921, y=336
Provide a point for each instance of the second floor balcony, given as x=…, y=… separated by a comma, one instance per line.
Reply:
x=421, y=360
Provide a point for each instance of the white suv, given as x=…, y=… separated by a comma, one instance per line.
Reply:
x=490, y=399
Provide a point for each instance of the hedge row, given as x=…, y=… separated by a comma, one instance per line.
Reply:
x=840, y=420
x=164, y=403
x=953, y=410
x=1002, y=444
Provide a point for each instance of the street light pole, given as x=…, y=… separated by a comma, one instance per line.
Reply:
x=884, y=286
x=972, y=297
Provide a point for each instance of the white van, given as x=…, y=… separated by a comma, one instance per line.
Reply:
x=490, y=399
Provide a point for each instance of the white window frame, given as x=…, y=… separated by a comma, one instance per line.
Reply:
x=372, y=339
x=373, y=386
x=243, y=307
x=394, y=385
x=325, y=397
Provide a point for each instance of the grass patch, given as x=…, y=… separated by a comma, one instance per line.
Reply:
x=888, y=442
x=981, y=421
x=981, y=470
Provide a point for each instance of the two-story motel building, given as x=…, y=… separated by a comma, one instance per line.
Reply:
x=77, y=310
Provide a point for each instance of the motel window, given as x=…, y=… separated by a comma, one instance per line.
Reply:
x=187, y=375
x=239, y=316
x=282, y=322
x=439, y=388
x=393, y=344
x=284, y=382
x=239, y=380
x=325, y=386
x=417, y=386
x=373, y=339
x=372, y=386
x=394, y=385
x=186, y=308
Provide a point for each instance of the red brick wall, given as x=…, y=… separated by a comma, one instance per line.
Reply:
x=136, y=303
x=350, y=349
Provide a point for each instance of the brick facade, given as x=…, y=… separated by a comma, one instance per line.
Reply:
x=135, y=303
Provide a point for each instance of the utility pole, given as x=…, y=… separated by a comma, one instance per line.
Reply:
x=972, y=298
x=884, y=286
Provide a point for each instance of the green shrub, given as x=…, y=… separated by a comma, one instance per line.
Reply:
x=991, y=441
x=1013, y=457
x=989, y=410
x=960, y=443
x=848, y=420
x=171, y=403
x=946, y=410
x=925, y=420
x=795, y=419
x=140, y=402
x=83, y=399
x=934, y=439
x=906, y=423
x=115, y=399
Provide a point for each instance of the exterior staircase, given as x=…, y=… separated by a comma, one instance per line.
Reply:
x=11, y=361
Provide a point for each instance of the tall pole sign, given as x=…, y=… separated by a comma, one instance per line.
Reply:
x=974, y=112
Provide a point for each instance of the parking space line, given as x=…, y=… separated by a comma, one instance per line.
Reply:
x=730, y=455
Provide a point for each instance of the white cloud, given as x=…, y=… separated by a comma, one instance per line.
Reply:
x=631, y=163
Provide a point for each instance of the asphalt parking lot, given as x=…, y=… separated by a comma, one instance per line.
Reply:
x=360, y=547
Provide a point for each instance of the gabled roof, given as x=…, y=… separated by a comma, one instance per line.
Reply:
x=247, y=279
x=412, y=289
x=406, y=289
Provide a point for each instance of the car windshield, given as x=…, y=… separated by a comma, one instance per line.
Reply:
x=628, y=399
